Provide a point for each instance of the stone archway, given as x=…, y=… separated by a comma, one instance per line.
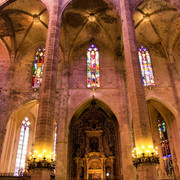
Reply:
x=94, y=144
x=165, y=138
x=10, y=145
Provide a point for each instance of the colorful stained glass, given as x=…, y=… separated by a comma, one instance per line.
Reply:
x=145, y=65
x=165, y=145
x=93, y=67
x=38, y=67
x=22, y=148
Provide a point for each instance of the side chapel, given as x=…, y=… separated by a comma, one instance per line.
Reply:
x=90, y=89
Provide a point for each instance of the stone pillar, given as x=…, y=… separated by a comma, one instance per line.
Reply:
x=5, y=101
x=45, y=122
x=40, y=174
x=136, y=94
x=127, y=168
x=62, y=126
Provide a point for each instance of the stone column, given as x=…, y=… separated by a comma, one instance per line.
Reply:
x=45, y=122
x=5, y=101
x=62, y=131
x=128, y=170
x=136, y=94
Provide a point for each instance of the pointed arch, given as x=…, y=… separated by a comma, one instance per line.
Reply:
x=165, y=136
x=13, y=141
x=93, y=132
x=5, y=3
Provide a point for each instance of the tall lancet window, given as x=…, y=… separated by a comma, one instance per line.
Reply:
x=38, y=67
x=168, y=165
x=93, y=67
x=55, y=137
x=146, y=68
x=22, y=147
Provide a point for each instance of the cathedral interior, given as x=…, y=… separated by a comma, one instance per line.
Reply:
x=89, y=89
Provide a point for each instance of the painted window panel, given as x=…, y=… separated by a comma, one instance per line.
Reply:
x=38, y=67
x=168, y=165
x=93, y=75
x=22, y=147
x=146, y=68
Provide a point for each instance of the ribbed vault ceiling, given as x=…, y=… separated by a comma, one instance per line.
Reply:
x=90, y=21
x=157, y=23
x=23, y=24
x=157, y=26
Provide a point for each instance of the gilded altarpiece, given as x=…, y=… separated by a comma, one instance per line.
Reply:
x=94, y=145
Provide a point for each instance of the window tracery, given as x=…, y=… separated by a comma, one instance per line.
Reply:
x=167, y=159
x=22, y=147
x=146, y=68
x=38, y=67
x=93, y=67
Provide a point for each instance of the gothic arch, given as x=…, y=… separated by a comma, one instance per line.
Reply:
x=114, y=4
x=144, y=10
x=89, y=25
x=139, y=2
x=27, y=109
x=166, y=104
x=5, y=3
x=33, y=26
x=84, y=105
x=94, y=134
x=158, y=110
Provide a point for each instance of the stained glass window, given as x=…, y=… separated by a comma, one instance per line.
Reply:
x=38, y=67
x=22, y=148
x=165, y=145
x=93, y=67
x=146, y=69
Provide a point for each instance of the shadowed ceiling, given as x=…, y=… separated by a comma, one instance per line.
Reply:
x=90, y=21
x=23, y=24
x=157, y=26
x=157, y=23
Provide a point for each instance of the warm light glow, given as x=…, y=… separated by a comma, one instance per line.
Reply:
x=42, y=155
x=36, y=18
x=144, y=151
x=146, y=17
x=92, y=18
